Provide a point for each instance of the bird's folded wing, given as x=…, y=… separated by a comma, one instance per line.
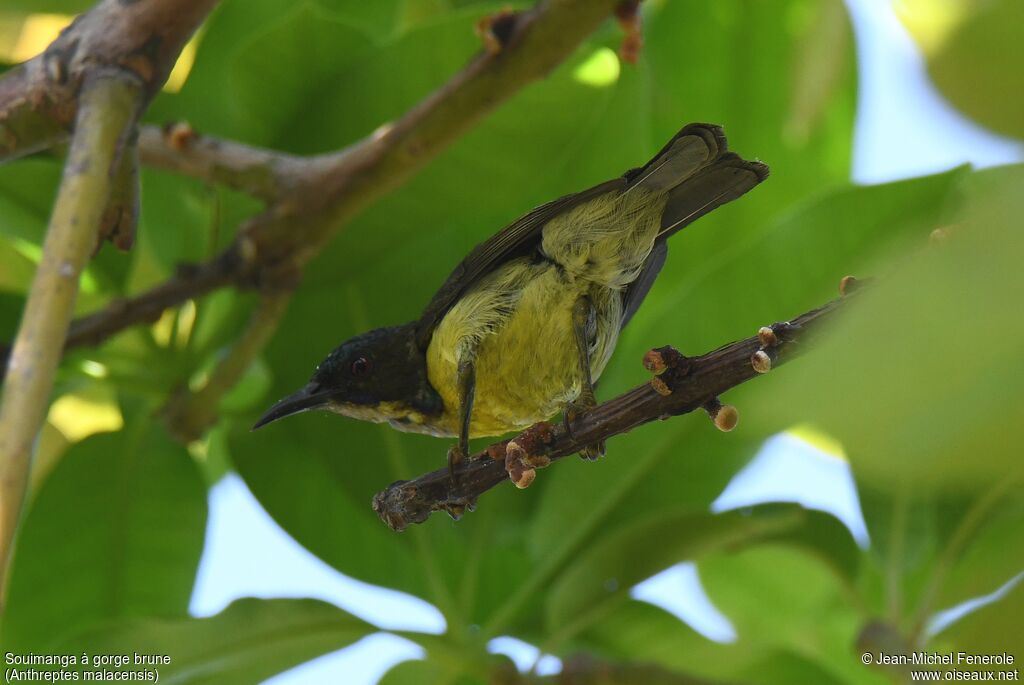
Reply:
x=690, y=150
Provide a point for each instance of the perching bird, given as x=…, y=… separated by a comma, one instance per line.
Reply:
x=525, y=324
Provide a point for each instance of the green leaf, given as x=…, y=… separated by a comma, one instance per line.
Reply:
x=249, y=641
x=785, y=601
x=115, y=531
x=922, y=395
x=607, y=570
x=307, y=43
x=989, y=555
x=48, y=6
x=737, y=64
x=783, y=668
x=331, y=515
x=413, y=673
x=991, y=629
x=637, y=631
x=16, y=269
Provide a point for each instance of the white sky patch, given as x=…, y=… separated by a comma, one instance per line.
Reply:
x=905, y=127
x=248, y=555
x=678, y=590
x=525, y=655
x=364, y=662
x=788, y=469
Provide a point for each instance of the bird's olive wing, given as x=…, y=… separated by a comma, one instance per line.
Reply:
x=518, y=238
x=687, y=153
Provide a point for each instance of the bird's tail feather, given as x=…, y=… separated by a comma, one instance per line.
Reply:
x=699, y=173
x=722, y=181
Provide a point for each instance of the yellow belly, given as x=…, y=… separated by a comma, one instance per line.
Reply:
x=528, y=367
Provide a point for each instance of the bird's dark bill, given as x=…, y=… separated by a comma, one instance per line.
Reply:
x=303, y=400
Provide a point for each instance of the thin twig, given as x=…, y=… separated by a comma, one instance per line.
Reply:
x=108, y=108
x=189, y=414
x=691, y=383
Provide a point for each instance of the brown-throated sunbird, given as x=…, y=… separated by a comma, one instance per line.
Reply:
x=525, y=324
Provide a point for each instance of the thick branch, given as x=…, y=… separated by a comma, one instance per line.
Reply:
x=190, y=282
x=39, y=99
x=266, y=174
x=696, y=382
x=107, y=110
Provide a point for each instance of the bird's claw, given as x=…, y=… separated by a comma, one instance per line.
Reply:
x=456, y=454
x=573, y=412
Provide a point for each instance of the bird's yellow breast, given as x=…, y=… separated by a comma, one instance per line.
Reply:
x=527, y=367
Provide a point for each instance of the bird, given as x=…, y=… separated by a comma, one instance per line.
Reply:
x=526, y=323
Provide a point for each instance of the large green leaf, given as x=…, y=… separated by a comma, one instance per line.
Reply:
x=639, y=631
x=607, y=570
x=115, y=532
x=784, y=600
x=48, y=6
x=264, y=87
x=988, y=555
x=249, y=641
x=991, y=629
x=413, y=673
x=739, y=64
x=918, y=378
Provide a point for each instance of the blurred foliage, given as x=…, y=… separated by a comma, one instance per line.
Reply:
x=918, y=380
x=975, y=56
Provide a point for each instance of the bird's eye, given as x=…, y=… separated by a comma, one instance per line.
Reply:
x=361, y=366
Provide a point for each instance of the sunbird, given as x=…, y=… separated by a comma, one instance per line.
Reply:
x=526, y=323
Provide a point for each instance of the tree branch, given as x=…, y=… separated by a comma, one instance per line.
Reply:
x=681, y=386
x=107, y=110
x=39, y=99
x=266, y=174
x=98, y=75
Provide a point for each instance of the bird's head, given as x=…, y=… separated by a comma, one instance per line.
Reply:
x=377, y=376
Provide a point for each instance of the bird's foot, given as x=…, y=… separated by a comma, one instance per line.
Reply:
x=572, y=413
x=456, y=454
